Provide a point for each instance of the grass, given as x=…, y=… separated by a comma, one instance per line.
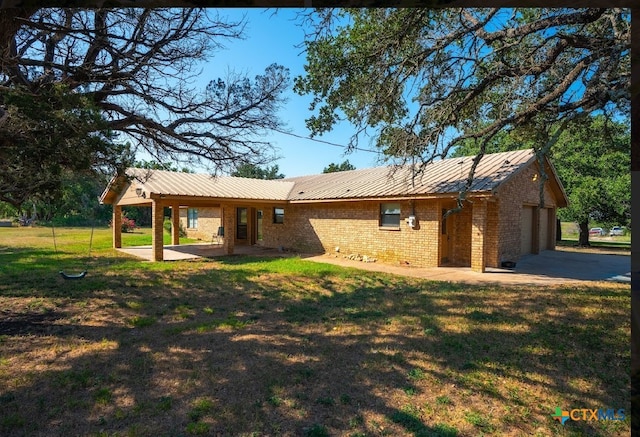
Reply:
x=281, y=346
x=570, y=237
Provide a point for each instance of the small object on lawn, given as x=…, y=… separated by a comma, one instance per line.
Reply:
x=55, y=248
x=508, y=264
x=78, y=276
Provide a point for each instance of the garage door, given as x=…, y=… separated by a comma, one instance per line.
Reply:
x=526, y=230
x=544, y=228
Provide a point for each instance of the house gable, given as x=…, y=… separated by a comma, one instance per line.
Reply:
x=526, y=182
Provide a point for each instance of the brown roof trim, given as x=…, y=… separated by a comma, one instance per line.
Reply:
x=168, y=198
x=475, y=194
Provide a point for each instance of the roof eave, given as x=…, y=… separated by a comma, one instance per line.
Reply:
x=434, y=196
x=111, y=191
x=564, y=197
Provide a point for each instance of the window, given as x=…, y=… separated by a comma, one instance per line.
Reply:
x=278, y=215
x=390, y=215
x=192, y=218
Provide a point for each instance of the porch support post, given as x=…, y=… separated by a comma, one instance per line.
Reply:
x=116, y=222
x=175, y=224
x=229, y=223
x=157, y=245
x=478, y=237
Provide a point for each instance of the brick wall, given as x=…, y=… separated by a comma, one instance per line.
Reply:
x=478, y=232
x=208, y=223
x=354, y=228
x=520, y=190
x=491, y=237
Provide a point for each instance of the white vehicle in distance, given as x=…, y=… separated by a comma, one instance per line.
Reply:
x=616, y=230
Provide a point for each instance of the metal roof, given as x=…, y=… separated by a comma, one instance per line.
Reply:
x=447, y=176
x=438, y=177
x=205, y=185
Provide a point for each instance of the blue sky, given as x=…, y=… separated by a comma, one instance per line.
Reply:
x=273, y=38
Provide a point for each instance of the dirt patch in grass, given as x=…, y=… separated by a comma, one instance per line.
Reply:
x=294, y=348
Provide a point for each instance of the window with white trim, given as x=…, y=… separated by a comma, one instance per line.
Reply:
x=192, y=218
x=278, y=215
x=390, y=215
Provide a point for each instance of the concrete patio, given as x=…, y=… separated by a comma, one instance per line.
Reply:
x=194, y=251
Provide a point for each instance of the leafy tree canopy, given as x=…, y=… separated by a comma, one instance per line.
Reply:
x=76, y=82
x=256, y=172
x=422, y=81
x=344, y=166
x=155, y=165
x=592, y=157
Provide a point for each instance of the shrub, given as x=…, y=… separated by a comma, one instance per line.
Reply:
x=128, y=225
x=167, y=227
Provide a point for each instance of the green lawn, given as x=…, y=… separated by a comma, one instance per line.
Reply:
x=570, y=234
x=246, y=346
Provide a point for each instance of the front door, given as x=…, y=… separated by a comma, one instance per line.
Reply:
x=241, y=223
x=446, y=228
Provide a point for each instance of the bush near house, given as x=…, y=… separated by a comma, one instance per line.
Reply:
x=127, y=225
x=167, y=227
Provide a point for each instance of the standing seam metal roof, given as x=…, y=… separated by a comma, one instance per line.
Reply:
x=447, y=176
x=440, y=177
x=204, y=185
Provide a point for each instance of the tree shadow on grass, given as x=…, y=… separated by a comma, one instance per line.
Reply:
x=204, y=350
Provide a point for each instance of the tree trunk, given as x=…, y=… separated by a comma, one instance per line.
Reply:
x=583, y=239
x=558, y=230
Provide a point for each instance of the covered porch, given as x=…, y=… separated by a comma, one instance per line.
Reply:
x=240, y=202
x=241, y=225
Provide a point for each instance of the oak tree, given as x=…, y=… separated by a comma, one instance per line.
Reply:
x=592, y=157
x=253, y=171
x=422, y=81
x=344, y=166
x=76, y=84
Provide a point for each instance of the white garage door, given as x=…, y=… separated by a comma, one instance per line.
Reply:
x=526, y=230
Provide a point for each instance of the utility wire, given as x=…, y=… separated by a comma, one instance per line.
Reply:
x=325, y=142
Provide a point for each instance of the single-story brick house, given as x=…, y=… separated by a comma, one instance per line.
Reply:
x=393, y=216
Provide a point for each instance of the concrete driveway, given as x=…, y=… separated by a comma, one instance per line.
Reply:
x=548, y=268
x=573, y=265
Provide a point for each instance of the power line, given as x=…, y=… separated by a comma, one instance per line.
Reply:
x=325, y=142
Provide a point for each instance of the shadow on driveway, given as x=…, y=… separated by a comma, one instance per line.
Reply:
x=547, y=268
x=573, y=265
